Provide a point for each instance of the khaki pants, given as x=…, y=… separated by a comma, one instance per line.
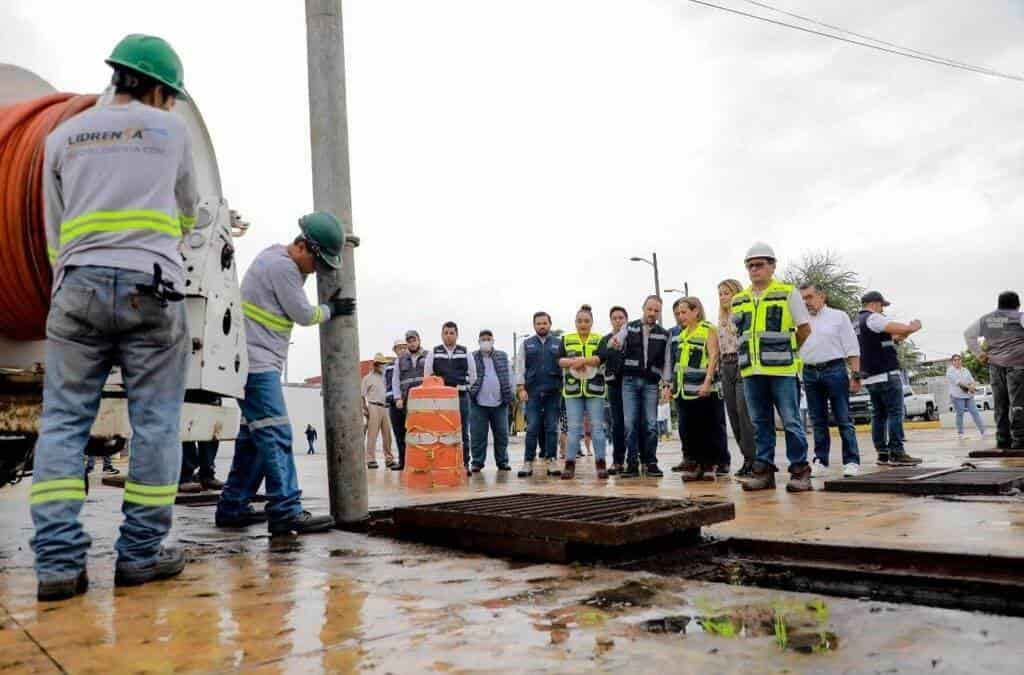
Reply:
x=378, y=423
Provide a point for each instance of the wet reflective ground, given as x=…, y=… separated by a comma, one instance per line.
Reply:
x=343, y=602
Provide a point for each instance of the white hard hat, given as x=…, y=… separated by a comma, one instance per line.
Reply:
x=760, y=250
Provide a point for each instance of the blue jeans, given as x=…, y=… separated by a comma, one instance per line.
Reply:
x=830, y=386
x=263, y=450
x=765, y=394
x=98, y=320
x=90, y=463
x=481, y=417
x=618, y=427
x=962, y=405
x=574, y=410
x=464, y=421
x=640, y=417
x=887, y=415
x=542, y=424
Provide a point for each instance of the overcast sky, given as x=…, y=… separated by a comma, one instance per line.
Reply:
x=511, y=156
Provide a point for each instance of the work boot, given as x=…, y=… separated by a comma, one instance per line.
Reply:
x=800, y=480
x=602, y=471
x=211, y=483
x=552, y=467
x=681, y=466
x=504, y=467
x=883, y=459
x=631, y=471
x=762, y=477
x=691, y=471
x=169, y=562
x=62, y=589
x=615, y=470
x=304, y=523
x=903, y=459
x=569, y=472
x=476, y=468
x=245, y=519
x=372, y=464
x=397, y=467
x=191, y=487
x=722, y=469
x=653, y=471
x=526, y=471
x=745, y=470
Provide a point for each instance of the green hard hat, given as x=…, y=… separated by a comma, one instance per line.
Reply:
x=150, y=56
x=325, y=232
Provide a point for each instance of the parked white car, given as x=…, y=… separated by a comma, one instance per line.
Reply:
x=983, y=397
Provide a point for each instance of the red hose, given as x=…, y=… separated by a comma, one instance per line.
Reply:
x=25, y=276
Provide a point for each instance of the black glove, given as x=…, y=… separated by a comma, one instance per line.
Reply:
x=341, y=306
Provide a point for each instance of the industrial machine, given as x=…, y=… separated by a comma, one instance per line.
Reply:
x=219, y=363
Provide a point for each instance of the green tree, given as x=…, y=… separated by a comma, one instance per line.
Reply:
x=826, y=270
x=972, y=364
x=910, y=356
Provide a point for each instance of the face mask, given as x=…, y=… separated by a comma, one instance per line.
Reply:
x=486, y=345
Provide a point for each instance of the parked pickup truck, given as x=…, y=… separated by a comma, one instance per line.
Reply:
x=914, y=405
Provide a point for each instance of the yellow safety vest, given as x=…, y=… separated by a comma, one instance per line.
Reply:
x=573, y=387
x=765, y=331
x=692, y=366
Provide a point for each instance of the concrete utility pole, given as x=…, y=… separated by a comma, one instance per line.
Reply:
x=339, y=338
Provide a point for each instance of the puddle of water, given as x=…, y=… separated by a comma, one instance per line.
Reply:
x=629, y=594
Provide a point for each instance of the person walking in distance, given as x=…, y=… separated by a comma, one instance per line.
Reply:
x=311, y=439
x=490, y=394
x=451, y=362
x=538, y=385
x=997, y=339
x=374, y=393
x=731, y=382
x=646, y=368
x=115, y=205
x=583, y=389
x=771, y=325
x=613, y=381
x=881, y=374
x=273, y=300
x=407, y=374
x=696, y=385
x=831, y=348
x=395, y=415
x=961, y=394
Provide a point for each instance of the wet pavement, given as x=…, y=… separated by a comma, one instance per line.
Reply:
x=342, y=601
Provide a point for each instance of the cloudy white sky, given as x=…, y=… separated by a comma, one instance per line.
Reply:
x=511, y=156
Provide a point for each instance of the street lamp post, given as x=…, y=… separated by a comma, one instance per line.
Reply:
x=685, y=290
x=653, y=262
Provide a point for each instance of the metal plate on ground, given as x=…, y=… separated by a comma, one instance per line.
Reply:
x=933, y=481
x=574, y=519
x=996, y=454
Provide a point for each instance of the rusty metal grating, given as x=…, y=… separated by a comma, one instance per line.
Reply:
x=933, y=481
x=579, y=519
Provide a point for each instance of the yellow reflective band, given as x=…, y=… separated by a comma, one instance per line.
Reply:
x=318, y=315
x=60, y=488
x=187, y=222
x=118, y=221
x=51, y=253
x=150, y=495
x=265, y=318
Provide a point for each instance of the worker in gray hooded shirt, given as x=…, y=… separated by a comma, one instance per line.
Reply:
x=273, y=300
x=997, y=339
x=118, y=187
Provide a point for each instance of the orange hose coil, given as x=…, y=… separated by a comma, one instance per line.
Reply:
x=433, y=437
x=25, y=275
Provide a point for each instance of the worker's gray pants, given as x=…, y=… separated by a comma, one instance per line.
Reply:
x=1008, y=401
x=99, y=320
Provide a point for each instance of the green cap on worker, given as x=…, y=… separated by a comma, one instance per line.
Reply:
x=151, y=56
x=325, y=231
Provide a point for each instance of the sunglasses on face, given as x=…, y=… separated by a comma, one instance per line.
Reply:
x=756, y=265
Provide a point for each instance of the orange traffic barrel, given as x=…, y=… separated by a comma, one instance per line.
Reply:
x=433, y=437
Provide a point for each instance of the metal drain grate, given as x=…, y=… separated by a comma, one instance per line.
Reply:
x=933, y=481
x=602, y=521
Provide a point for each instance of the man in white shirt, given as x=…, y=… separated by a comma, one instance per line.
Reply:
x=831, y=347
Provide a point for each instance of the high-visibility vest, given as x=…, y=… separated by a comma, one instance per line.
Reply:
x=573, y=387
x=765, y=332
x=692, y=365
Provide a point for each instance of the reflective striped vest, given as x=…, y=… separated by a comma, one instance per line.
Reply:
x=765, y=332
x=410, y=371
x=573, y=387
x=692, y=363
x=454, y=367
